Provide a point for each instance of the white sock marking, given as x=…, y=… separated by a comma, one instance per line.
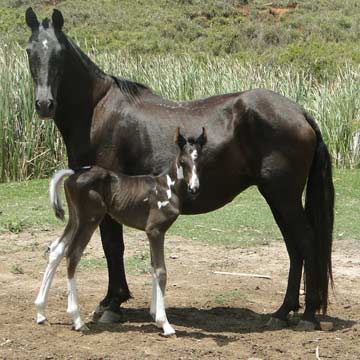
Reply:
x=73, y=308
x=56, y=254
x=160, y=318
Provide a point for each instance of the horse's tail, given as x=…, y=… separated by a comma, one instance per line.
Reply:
x=55, y=187
x=319, y=208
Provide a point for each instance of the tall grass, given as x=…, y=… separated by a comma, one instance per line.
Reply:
x=31, y=148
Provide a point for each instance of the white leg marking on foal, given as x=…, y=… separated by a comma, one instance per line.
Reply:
x=55, y=256
x=179, y=172
x=153, y=295
x=73, y=308
x=162, y=204
x=161, y=319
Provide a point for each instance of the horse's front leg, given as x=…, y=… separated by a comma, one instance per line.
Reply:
x=108, y=311
x=156, y=239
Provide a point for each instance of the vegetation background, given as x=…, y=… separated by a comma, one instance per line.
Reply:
x=185, y=49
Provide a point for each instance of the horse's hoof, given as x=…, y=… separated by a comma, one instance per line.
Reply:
x=99, y=311
x=110, y=317
x=84, y=329
x=305, y=325
x=276, y=324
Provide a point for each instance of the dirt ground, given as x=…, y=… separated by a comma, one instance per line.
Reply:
x=215, y=316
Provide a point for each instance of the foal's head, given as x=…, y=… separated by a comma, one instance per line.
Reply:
x=188, y=158
x=46, y=53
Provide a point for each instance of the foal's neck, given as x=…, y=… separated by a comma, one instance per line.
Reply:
x=174, y=178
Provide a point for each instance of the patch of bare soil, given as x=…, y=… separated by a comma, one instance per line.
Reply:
x=216, y=316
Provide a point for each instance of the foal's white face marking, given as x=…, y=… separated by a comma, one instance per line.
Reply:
x=194, y=180
x=179, y=172
x=194, y=155
x=162, y=204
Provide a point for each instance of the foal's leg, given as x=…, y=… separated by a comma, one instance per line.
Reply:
x=57, y=251
x=153, y=289
x=156, y=239
x=118, y=292
x=81, y=238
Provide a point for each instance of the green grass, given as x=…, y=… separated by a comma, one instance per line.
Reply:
x=244, y=222
x=229, y=296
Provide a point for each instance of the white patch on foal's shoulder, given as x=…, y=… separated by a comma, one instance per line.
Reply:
x=179, y=172
x=162, y=204
x=146, y=199
x=169, y=184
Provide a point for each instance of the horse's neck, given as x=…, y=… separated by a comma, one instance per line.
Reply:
x=83, y=85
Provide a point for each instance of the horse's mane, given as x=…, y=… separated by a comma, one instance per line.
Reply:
x=129, y=88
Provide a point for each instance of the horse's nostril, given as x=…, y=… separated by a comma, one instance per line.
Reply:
x=50, y=104
x=37, y=104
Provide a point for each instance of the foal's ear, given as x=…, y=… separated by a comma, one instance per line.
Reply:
x=57, y=20
x=179, y=139
x=202, y=139
x=31, y=19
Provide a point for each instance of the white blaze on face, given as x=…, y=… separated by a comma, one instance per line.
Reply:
x=194, y=180
x=179, y=172
x=194, y=155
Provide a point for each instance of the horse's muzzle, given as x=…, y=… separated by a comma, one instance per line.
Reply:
x=45, y=108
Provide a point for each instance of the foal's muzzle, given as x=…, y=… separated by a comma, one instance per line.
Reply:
x=193, y=190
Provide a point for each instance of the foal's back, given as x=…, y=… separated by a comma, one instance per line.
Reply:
x=130, y=200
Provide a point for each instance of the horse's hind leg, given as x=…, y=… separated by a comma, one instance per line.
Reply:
x=57, y=251
x=81, y=238
x=290, y=216
x=156, y=239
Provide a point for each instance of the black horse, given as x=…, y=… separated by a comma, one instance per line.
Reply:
x=255, y=137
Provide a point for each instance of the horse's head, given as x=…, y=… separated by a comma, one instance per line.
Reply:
x=188, y=158
x=46, y=60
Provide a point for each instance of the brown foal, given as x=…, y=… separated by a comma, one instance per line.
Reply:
x=149, y=203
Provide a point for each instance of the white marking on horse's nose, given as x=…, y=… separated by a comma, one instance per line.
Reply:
x=45, y=44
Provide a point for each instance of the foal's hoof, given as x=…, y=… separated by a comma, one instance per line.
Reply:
x=40, y=319
x=84, y=329
x=110, y=317
x=276, y=324
x=305, y=325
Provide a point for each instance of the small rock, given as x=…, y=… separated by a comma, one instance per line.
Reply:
x=326, y=325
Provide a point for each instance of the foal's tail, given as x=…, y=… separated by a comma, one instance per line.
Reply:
x=319, y=207
x=55, y=188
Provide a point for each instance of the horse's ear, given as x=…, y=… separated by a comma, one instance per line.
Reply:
x=57, y=20
x=202, y=139
x=179, y=139
x=31, y=19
